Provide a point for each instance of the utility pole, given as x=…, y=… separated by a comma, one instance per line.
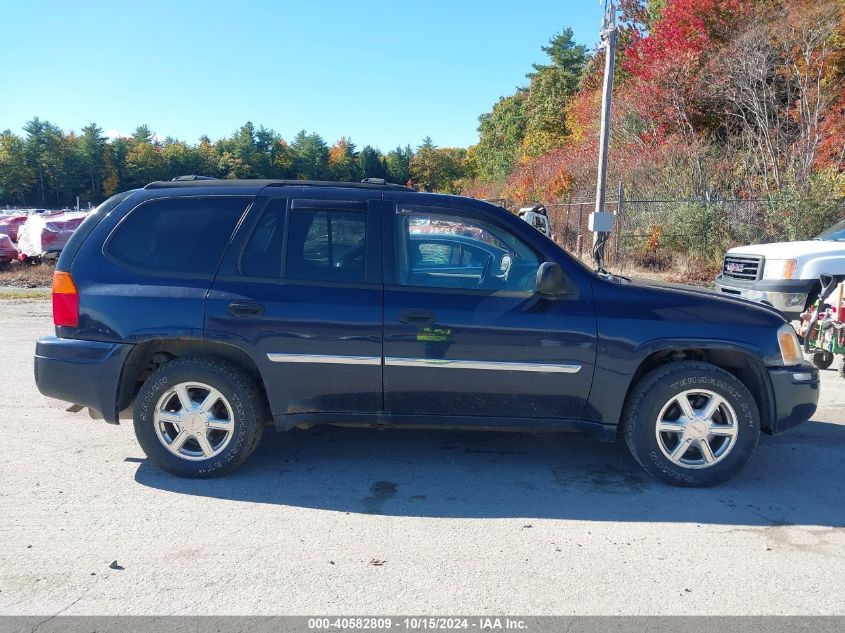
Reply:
x=608, y=43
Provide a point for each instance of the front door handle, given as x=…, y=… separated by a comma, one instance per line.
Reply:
x=245, y=309
x=417, y=317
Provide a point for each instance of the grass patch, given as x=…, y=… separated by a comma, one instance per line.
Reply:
x=24, y=293
x=21, y=275
x=679, y=270
x=696, y=271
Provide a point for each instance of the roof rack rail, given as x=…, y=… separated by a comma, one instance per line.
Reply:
x=367, y=183
x=206, y=181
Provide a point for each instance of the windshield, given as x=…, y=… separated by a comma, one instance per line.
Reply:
x=835, y=233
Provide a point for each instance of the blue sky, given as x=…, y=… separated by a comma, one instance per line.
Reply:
x=382, y=73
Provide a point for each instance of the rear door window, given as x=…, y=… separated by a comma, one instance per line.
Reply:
x=326, y=246
x=183, y=236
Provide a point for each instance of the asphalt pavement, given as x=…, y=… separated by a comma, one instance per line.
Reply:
x=349, y=521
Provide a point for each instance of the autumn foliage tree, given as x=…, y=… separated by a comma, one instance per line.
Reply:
x=438, y=168
x=343, y=161
x=713, y=99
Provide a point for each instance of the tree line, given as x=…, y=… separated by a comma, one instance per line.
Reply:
x=47, y=166
x=714, y=99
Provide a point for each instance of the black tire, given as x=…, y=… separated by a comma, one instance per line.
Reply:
x=247, y=403
x=822, y=360
x=656, y=390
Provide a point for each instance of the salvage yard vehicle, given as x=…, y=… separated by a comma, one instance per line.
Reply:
x=8, y=251
x=10, y=224
x=212, y=308
x=786, y=274
x=538, y=217
x=43, y=236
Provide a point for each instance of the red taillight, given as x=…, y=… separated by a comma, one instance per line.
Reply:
x=65, y=301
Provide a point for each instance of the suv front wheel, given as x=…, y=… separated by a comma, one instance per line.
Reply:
x=199, y=417
x=691, y=424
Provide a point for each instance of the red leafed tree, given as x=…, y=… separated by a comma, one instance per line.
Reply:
x=669, y=64
x=713, y=98
x=831, y=153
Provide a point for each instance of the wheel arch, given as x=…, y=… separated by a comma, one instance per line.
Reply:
x=744, y=365
x=146, y=357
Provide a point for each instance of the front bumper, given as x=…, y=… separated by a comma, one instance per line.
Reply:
x=787, y=295
x=796, y=396
x=81, y=372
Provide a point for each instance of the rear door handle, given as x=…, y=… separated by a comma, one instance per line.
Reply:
x=417, y=317
x=244, y=309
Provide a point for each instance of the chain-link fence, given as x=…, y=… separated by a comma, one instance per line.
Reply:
x=650, y=227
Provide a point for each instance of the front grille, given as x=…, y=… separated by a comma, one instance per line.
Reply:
x=746, y=267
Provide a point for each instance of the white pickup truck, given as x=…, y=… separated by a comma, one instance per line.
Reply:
x=538, y=217
x=786, y=274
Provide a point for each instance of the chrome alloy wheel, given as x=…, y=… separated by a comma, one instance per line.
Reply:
x=697, y=429
x=194, y=421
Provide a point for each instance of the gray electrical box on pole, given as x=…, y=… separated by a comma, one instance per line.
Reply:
x=608, y=37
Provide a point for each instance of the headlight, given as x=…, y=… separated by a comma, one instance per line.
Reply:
x=779, y=268
x=790, y=346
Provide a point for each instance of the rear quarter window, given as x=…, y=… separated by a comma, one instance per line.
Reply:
x=185, y=236
x=75, y=242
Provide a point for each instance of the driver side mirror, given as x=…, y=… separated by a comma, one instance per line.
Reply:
x=550, y=279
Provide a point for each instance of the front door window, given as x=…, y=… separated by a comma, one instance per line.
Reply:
x=446, y=249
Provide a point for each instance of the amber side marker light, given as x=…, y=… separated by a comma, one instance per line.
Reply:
x=790, y=346
x=65, y=301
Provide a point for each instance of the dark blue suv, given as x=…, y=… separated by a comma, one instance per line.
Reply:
x=213, y=308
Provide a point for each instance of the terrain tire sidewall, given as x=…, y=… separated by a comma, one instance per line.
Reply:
x=237, y=387
x=652, y=393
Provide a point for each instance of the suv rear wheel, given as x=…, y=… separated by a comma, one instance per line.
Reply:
x=199, y=417
x=691, y=424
